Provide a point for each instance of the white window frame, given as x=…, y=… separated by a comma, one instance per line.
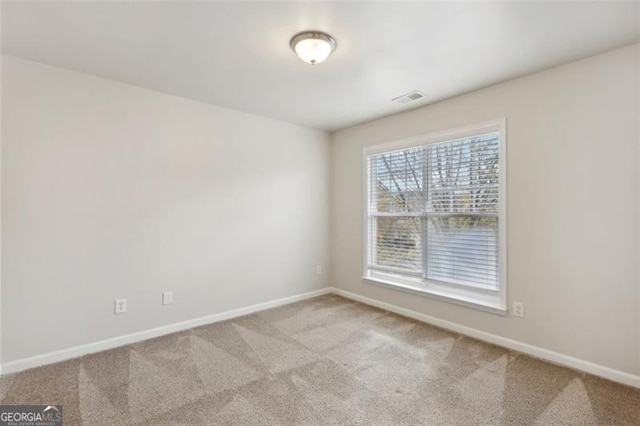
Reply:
x=489, y=301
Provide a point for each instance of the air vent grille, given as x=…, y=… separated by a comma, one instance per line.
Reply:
x=408, y=97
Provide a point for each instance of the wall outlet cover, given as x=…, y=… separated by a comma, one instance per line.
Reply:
x=120, y=306
x=518, y=309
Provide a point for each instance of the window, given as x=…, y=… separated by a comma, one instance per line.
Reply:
x=435, y=215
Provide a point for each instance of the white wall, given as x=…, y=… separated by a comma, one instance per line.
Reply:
x=1, y=61
x=638, y=190
x=572, y=206
x=113, y=191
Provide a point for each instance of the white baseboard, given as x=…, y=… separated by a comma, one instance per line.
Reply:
x=77, y=351
x=535, y=351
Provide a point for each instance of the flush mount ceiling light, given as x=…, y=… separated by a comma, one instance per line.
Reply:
x=313, y=47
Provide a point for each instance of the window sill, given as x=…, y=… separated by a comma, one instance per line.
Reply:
x=491, y=304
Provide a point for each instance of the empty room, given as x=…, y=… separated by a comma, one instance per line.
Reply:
x=319, y=213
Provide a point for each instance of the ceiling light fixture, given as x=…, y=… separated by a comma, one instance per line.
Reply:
x=313, y=47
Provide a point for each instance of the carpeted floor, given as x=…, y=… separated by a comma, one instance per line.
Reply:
x=323, y=361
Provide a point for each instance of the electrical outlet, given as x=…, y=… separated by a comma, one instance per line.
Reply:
x=167, y=297
x=319, y=270
x=518, y=309
x=120, y=306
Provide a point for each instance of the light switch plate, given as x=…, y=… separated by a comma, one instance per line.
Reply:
x=167, y=297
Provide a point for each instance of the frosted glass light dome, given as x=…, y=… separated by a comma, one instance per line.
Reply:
x=313, y=47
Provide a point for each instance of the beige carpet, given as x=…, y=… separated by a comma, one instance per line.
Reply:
x=320, y=362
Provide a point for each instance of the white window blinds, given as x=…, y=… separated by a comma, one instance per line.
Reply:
x=433, y=212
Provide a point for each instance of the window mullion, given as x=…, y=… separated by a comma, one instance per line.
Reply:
x=425, y=220
x=372, y=201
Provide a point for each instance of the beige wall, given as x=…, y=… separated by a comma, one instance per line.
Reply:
x=573, y=218
x=113, y=191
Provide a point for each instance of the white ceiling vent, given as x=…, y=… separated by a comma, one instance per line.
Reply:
x=408, y=97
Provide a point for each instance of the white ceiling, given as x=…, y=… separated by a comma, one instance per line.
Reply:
x=237, y=54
